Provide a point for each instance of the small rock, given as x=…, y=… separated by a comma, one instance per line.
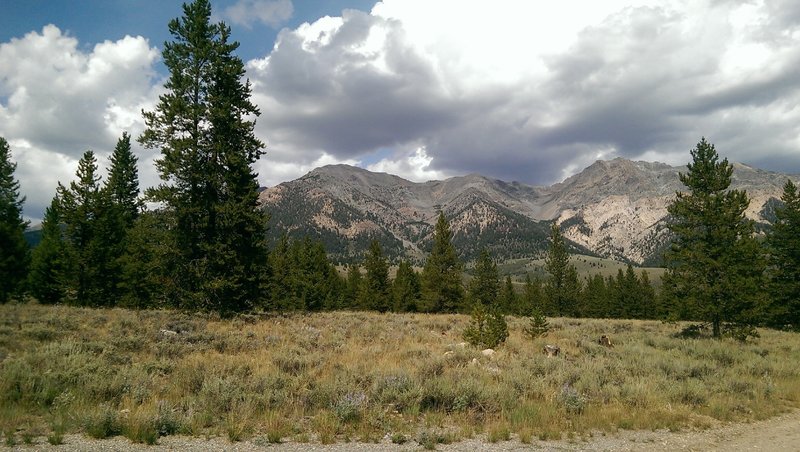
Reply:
x=605, y=341
x=165, y=332
x=449, y=353
x=461, y=344
x=488, y=352
x=551, y=350
x=474, y=362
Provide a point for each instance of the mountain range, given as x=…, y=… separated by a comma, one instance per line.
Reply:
x=615, y=209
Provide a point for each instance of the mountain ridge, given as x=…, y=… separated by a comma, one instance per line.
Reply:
x=613, y=208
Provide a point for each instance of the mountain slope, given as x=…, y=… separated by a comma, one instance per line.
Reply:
x=612, y=208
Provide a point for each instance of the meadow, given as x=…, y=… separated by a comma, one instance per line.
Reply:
x=357, y=376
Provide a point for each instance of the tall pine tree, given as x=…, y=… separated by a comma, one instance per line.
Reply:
x=14, y=254
x=208, y=144
x=562, y=287
x=52, y=266
x=784, y=270
x=405, y=288
x=375, y=290
x=442, y=287
x=714, y=265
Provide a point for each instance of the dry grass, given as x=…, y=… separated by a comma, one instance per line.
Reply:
x=333, y=377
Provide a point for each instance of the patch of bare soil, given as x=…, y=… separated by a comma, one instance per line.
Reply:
x=781, y=433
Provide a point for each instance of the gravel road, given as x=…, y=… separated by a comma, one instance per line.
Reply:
x=778, y=434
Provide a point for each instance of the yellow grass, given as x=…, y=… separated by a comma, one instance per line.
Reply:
x=332, y=377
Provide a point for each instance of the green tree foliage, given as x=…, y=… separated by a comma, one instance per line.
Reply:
x=537, y=325
x=784, y=268
x=484, y=287
x=122, y=184
x=14, y=254
x=488, y=327
x=303, y=279
x=714, y=265
x=406, y=288
x=375, y=290
x=148, y=251
x=532, y=296
x=442, y=288
x=353, y=286
x=562, y=287
x=596, y=298
x=208, y=145
x=52, y=265
x=508, y=300
x=91, y=236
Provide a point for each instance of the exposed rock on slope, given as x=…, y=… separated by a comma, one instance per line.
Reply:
x=612, y=208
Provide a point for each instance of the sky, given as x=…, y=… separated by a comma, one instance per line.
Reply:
x=517, y=90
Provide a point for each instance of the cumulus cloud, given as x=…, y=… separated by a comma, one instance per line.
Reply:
x=59, y=101
x=534, y=92
x=272, y=13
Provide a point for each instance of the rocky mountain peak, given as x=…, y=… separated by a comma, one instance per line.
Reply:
x=614, y=208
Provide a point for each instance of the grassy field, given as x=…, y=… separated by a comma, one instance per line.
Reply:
x=586, y=266
x=333, y=377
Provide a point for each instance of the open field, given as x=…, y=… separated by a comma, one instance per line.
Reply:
x=334, y=377
x=586, y=266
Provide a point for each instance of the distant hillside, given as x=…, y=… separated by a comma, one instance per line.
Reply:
x=614, y=209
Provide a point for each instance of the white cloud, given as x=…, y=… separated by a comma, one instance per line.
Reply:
x=534, y=91
x=273, y=13
x=62, y=101
x=414, y=166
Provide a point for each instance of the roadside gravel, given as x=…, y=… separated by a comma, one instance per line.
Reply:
x=778, y=434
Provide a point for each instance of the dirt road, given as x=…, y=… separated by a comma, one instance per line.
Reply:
x=774, y=435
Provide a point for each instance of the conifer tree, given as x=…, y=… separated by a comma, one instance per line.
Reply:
x=784, y=269
x=375, y=294
x=122, y=183
x=405, y=288
x=90, y=236
x=648, y=298
x=596, y=297
x=52, y=265
x=532, y=297
x=508, y=299
x=147, y=252
x=353, y=286
x=484, y=286
x=714, y=265
x=202, y=127
x=442, y=287
x=14, y=254
x=562, y=287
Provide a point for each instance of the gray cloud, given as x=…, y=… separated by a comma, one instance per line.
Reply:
x=643, y=82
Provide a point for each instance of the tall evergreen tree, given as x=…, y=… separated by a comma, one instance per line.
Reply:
x=508, y=299
x=484, y=286
x=52, y=266
x=532, y=297
x=596, y=297
x=208, y=144
x=562, y=287
x=122, y=183
x=442, y=287
x=14, y=252
x=714, y=265
x=405, y=288
x=353, y=287
x=784, y=269
x=90, y=235
x=375, y=293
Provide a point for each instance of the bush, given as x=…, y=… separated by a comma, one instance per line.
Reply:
x=488, y=328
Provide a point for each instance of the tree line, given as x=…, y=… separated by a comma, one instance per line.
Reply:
x=204, y=247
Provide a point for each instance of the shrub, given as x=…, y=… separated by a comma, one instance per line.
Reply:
x=487, y=329
x=102, y=423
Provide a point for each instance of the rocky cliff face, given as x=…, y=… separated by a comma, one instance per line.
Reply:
x=613, y=209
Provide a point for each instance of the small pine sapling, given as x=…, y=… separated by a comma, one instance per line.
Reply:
x=539, y=326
